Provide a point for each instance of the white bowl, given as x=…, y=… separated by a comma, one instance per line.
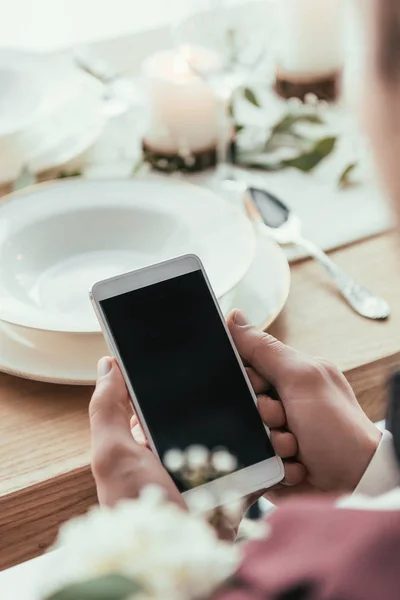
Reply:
x=79, y=351
x=57, y=239
x=71, y=357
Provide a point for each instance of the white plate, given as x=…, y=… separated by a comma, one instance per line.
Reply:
x=57, y=239
x=66, y=149
x=70, y=128
x=35, y=86
x=72, y=358
x=29, y=83
x=46, y=102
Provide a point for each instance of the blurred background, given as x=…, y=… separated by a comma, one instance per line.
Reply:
x=228, y=95
x=45, y=25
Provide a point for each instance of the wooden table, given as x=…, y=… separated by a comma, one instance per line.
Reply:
x=44, y=439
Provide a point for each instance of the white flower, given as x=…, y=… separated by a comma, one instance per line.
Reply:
x=311, y=99
x=172, y=553
x=294, y=104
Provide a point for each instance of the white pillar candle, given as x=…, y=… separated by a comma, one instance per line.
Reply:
x=310, y=36
x=182, y=108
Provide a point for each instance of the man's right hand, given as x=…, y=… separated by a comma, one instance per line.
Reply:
x=336, y=440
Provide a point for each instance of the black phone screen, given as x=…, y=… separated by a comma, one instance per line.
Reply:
x=183, y=369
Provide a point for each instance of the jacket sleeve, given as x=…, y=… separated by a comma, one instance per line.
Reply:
x=316, y=551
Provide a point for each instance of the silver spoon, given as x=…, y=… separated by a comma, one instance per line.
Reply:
x=272, y=216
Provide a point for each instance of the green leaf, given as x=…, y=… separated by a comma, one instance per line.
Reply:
x=284, y=125
x=258, y=165
x=64, y=174
x=138, y=166
x=283, y=133
x=289, y=121
x=311, y=118
x=239, y=128
x=109, y=587
x=251, y=97
x=307, y=161
x=345, y=178
x=314, y=119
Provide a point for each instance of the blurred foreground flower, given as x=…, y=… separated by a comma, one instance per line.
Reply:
x=149, y=549
x=142, y=549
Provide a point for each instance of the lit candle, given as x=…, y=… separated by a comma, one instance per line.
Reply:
x=310, y=40
x=182, y=108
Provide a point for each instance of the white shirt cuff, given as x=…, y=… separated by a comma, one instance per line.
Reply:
x=383, y=473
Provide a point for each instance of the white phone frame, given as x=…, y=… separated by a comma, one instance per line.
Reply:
x=246, y=481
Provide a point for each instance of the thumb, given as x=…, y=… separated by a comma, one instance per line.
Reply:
x=109, y=408
x=269, y=357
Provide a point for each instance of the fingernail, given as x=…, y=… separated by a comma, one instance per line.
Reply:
x=284, y=482
x=104, y=366
x=241, y=319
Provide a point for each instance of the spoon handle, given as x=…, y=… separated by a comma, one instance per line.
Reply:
x=362, y=300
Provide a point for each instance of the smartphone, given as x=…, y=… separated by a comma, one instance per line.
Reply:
x=185, y=377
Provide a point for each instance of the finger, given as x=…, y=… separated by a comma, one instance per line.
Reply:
x=121, y=467
x=225, y=529
x=269, y=357
x=251, y=499
x=295, y=473
x=109, y=414
x=109, y=407
x=271, y=411
x=259, y=384
x=139, y=436
x=284, y=443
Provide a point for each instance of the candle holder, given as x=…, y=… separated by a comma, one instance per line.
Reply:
x=171, y=162
x=325, y=86
x=193, y=162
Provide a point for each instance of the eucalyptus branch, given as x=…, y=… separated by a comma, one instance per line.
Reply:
x=286, y=134
x=305, y=161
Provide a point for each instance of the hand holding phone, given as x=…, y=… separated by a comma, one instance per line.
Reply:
x=186, y=381
x=121, y=467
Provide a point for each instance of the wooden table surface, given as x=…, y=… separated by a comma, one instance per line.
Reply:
x=44, y=439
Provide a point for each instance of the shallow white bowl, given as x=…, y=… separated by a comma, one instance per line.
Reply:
x=57, y=239
x=71, y=357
